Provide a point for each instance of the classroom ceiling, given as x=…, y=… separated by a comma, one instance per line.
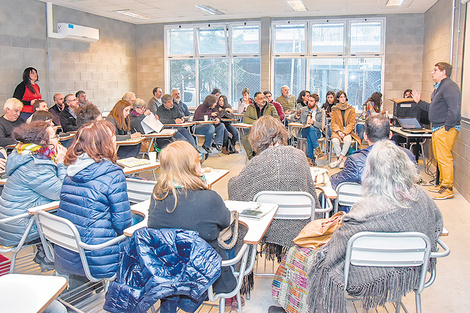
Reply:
x=175, y=11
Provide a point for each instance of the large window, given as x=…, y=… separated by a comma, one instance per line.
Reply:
x=330, y=55
x=207, y=56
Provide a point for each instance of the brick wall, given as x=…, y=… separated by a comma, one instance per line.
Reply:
x=105, y=69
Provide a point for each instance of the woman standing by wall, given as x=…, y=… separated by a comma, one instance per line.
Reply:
x=28, y=90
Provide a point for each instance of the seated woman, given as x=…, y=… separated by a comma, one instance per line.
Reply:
x=302, y=99
x=276, y=167
x=119, y=117
x=391, y=202
x=94, y=198
x=182, y=199
x=224, y=110
x=36, y=171
x=208, y=130
x=343, y=120
x=373, y=106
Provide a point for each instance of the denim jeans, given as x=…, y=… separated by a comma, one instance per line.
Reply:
x=233, y=130
x=312, y=134
x=184, y=134
x=208, y=131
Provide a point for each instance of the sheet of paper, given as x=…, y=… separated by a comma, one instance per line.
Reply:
x=151, y=124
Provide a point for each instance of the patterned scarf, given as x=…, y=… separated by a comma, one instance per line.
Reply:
x=32, y=148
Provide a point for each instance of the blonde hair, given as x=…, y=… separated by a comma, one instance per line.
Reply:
x=267, y=131
x=139, y=103
x=178, y=165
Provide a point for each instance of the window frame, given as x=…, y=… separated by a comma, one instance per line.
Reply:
x=309, y=54
x=229, y=55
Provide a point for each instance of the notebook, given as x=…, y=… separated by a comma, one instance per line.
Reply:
x=150, y=124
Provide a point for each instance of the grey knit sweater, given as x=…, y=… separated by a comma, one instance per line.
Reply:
x=375, y=285
x=281, y=168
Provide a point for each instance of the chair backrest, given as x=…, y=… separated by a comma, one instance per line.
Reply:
x=139, y=190
x=381, y=249
x=348, y=193
x=63, y=233
x=292, y=204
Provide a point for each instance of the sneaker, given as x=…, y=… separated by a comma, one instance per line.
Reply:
x=434, y=188
x=319, y=153
x=218, y=147
x=444, y=193
x=335, y=163
x=225, y=151
x=341, y=164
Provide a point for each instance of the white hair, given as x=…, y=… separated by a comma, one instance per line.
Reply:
x=11, y=103
x=390, y=174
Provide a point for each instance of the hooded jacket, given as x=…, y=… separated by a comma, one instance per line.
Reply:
x=33, y=180
x=94, y=198
x=162, y=263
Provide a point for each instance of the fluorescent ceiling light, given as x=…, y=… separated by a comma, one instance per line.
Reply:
x=297, y=5
x=394, y=3
x=132, y=14
x=209, y=9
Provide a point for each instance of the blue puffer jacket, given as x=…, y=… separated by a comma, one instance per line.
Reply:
x=95, y=200
x=354, y=166
x=33, y=180
x=163, y=263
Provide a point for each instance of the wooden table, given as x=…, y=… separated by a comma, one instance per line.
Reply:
x=29, y=293
x=66, y=136
x=242, y=125
x=229, y=120
x=164, y=133
x=256, y=227
x=129, y=142
x=214, y=176
x=45, y=207
x=408, y=136
x=141, y=168
x=142, y=208
x=185, y=124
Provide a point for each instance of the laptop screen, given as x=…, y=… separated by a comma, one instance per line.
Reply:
x=409, y=123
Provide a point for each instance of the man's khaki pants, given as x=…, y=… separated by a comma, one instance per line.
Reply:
x=442, y=143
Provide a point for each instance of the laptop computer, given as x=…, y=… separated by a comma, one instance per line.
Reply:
x=411, y=125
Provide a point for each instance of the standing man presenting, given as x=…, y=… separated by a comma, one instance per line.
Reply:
x=444, y=114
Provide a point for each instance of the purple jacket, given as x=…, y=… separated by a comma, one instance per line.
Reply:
x=201, y=111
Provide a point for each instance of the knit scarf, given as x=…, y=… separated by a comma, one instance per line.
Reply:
x=375, y=285
x=342, y=106
x=32, y=148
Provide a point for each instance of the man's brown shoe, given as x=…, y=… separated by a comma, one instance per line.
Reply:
x=444, y=193
x=319, y=152
x=434, y=188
